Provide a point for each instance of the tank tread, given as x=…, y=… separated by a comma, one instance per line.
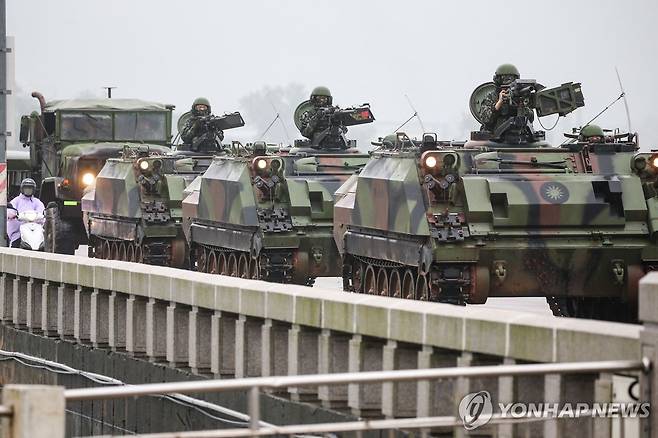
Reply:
x=150, y=252
x=444, y=283
x=272, y=265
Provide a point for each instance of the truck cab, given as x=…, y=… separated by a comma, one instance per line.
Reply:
x=69, y=142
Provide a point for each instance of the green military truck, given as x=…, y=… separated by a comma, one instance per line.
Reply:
x=69, y=142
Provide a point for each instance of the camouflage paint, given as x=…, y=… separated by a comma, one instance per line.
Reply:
x=531, y=222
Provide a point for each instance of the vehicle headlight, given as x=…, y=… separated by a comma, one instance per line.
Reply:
x=144, y=165
x=654, y=161
x=261, y=164
x=430, y=162
x=88, y=178
x=31, y=216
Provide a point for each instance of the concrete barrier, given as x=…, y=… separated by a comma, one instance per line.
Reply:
x=229, y=327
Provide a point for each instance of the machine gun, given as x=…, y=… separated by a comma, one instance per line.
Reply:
x=332, y=123
x=212, y=132
x=348, y=116
x=558, y=100
x=525, y=97
x=221, y=123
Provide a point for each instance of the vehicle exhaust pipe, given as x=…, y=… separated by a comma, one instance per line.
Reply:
x=41, y=99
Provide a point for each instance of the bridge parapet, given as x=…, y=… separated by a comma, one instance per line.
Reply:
x=229, y=327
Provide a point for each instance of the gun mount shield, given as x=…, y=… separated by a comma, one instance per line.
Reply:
x=478, y=95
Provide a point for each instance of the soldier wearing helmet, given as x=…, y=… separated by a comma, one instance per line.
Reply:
x=197, y=134
x=495, y=108
x=25, y=201
x=591, y=134
x=316, y=122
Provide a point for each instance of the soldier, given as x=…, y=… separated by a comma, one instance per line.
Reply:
x=197, y=134
x=591, y=134
x=495, y=108
x=316, y=122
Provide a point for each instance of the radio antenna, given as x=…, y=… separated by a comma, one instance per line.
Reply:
x=278, y=116
x=415, y=113
x=628, y=113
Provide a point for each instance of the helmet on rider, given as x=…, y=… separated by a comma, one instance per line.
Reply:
x=28, y=187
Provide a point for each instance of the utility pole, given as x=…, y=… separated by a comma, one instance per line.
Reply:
x=109, y=91
x=3, y=122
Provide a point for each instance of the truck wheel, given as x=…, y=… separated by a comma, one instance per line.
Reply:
x=60, y=236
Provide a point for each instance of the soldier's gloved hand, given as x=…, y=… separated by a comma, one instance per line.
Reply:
x=502, y=97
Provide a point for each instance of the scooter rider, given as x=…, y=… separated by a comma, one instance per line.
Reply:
x=26, y=201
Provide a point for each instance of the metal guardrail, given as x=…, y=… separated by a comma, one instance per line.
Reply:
x=254, y=385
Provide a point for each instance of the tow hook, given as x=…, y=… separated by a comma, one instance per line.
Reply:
x=500, y=270
x=618, y=271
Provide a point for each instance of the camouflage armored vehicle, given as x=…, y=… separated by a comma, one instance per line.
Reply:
x=133, y=211
x=271, y=216
x=69, y=142
x=459, y=223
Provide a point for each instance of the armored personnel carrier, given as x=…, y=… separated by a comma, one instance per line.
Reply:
x=270, y=216
x=133, y=211
x=69, y=142
x=459, y=223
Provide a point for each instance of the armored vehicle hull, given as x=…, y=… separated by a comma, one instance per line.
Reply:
x=133, y=212
x=576, y=225
x=268, y=217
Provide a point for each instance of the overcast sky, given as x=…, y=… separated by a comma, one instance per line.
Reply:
x=437, y=52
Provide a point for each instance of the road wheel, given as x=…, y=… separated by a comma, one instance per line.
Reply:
x=408, y=285
x=232, y=268
x=131, y=252
x=201, y=259
x=98, y=250
x=221, y=263
x=357, y=276
x=243, y=266
x=212, y=263
x=422, y=291
x=370, y=281
x=107, y=250
x=395, y=284
x=123, y=253
x=382, y=282
x=139, y=254
x=114, y=251
x=254, y=270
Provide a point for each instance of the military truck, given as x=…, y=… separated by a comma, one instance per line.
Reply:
x=69, y=142
x=270, y=216
x=460, y=222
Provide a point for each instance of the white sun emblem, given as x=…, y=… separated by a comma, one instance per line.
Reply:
x=554, y=192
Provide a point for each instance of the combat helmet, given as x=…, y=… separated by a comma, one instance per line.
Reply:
x=200, y=101
x=319, y=93
x=505, y=74
x=590, y=131
x=390, y=141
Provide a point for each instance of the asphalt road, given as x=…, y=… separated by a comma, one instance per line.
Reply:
x=532, y=305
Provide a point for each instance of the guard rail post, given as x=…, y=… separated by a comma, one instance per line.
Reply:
x=648, y=315
x=38, y=411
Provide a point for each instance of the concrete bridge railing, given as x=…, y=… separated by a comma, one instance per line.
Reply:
x=227, y=327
